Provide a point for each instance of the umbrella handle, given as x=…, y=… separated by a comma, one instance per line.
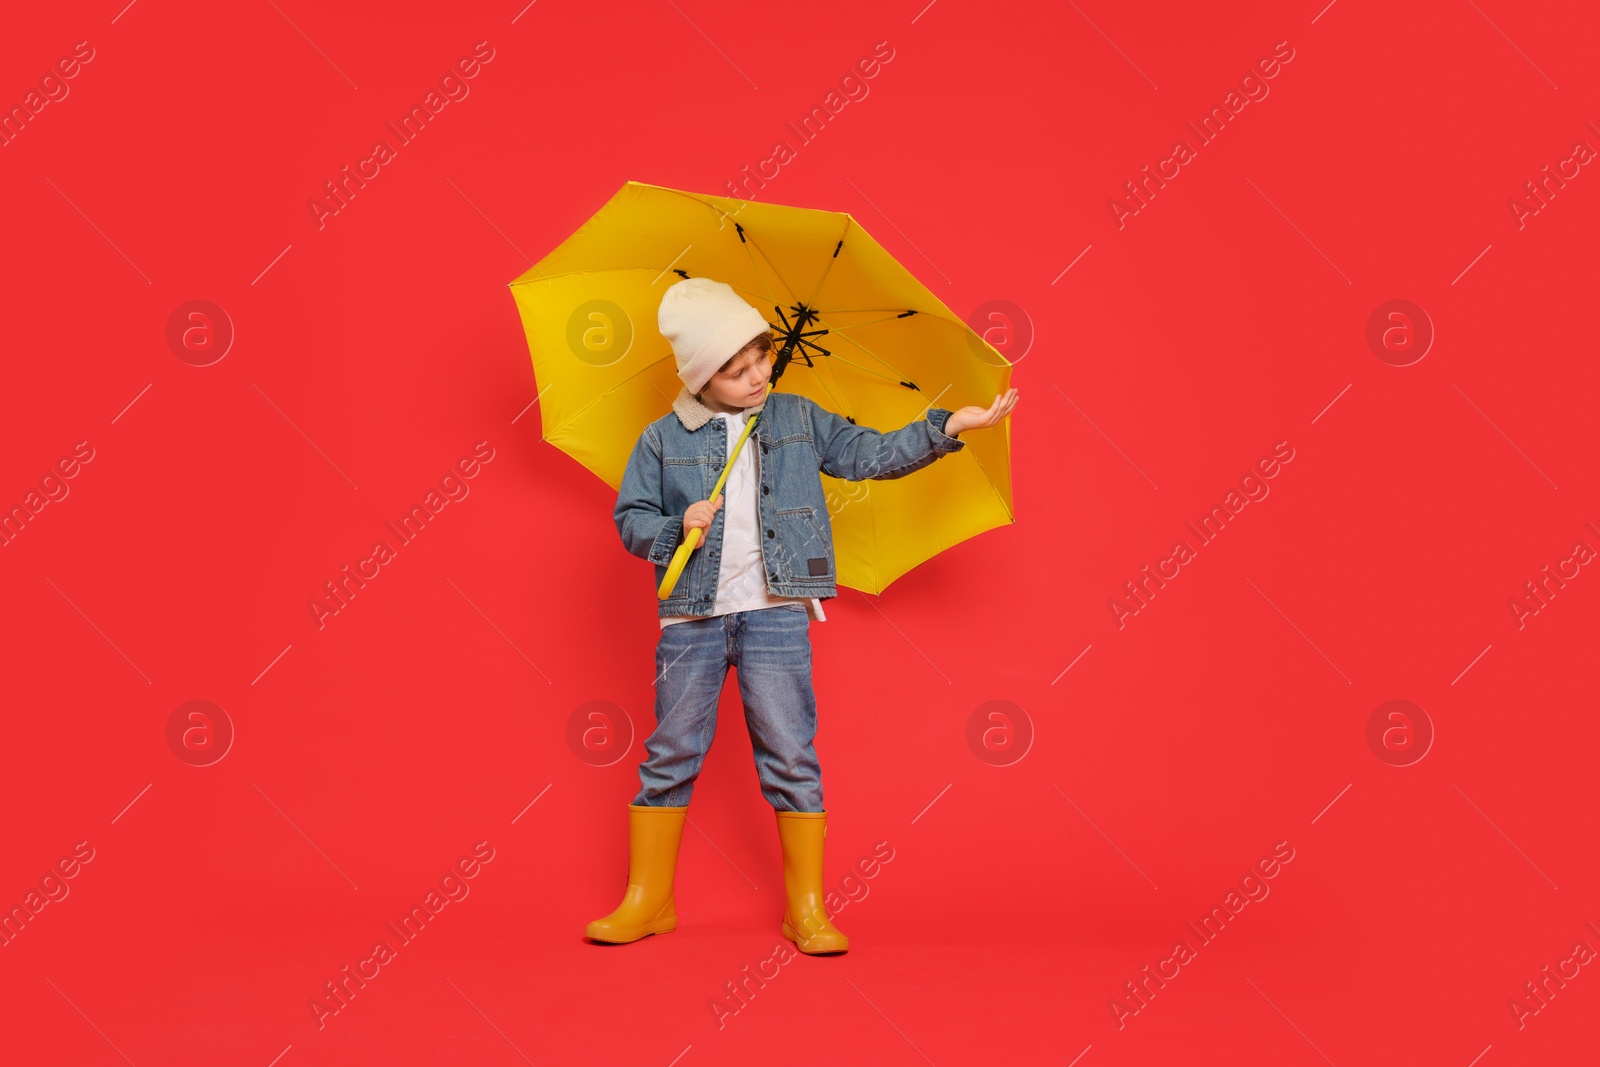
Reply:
x=680, y=558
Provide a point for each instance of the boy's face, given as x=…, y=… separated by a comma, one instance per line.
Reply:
x=740, y=384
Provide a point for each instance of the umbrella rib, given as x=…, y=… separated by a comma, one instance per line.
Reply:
x=897, y=312
x=748, y=245
x=752, y=249
x=863, y=369
x=880, y=359
x=843, y=408
x=740, y=231
x=592, y=270
x=862, y=325
x=831, y=261
x=842, y=332
x=721, y=214
x=619, y=270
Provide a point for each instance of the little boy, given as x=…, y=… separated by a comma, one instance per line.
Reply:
x=750, y=589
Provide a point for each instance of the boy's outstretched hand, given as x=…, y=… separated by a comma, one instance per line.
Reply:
x=976, y=418
x=698, y=516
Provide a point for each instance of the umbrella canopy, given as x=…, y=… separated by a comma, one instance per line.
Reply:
x=856, y=332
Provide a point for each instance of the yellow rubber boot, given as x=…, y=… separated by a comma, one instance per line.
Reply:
x=805, y=920
x=647, y=906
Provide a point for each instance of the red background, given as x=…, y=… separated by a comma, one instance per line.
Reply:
x=1228, y=715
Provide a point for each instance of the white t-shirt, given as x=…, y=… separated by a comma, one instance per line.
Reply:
x=742, y=575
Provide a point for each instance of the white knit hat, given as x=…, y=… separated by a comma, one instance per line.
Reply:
x=707, y=323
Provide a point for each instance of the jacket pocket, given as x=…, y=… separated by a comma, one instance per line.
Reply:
x=807, y=551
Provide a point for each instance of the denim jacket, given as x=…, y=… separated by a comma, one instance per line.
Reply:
x=679, y=457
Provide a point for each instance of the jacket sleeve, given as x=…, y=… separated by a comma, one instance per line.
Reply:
x=845, y=450
x=646, y=531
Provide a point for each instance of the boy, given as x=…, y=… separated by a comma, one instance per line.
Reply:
x=749, y=591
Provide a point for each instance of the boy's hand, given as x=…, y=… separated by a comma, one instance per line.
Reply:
x=698, y=517
x=976, y=418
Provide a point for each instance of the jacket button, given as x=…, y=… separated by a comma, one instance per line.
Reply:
x=769, y=533
x=765, y=490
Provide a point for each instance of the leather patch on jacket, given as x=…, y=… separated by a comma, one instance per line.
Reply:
x=817, y=566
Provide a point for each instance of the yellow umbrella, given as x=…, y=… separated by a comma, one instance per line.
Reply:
x=856, y=332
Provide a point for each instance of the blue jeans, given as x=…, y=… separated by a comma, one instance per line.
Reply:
x=771, y=650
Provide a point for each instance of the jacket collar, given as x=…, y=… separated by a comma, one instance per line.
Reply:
x=694, y=414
